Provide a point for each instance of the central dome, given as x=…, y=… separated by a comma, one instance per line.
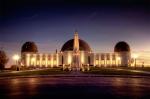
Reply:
x=83, y=46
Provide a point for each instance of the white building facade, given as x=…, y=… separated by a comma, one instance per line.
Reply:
x=76, y=55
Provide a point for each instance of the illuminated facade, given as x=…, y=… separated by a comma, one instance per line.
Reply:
x=76, y=55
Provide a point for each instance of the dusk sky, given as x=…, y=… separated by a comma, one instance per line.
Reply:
x=50, y=23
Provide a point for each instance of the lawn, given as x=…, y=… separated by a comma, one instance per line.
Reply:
x=50, y=71
x=137, y=68
x=113, y=71
x=93, y=70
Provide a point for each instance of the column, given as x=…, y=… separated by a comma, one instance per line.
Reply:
x=46, y=60
x=52, y=60
x=28, y=60
x=105, y=63
x=40, y=60
x=57, y=59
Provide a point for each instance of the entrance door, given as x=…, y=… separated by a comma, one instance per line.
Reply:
x=76, y=62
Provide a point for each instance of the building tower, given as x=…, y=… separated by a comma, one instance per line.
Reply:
x=123, y=51
x=76, y=60
x=76, y=42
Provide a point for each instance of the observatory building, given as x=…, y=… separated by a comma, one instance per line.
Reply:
x=75, y=54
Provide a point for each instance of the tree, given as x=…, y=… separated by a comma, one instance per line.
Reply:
x=3, y=59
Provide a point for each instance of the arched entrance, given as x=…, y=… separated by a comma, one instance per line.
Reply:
x=76, y=62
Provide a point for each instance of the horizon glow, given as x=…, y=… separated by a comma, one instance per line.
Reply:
x=50, y=24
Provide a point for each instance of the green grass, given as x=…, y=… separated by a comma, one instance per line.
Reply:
x=113, y=71
x=93, y=70
x=51, y=71
x=137, y=68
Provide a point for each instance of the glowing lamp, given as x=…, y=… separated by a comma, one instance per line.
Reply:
x=16, y=57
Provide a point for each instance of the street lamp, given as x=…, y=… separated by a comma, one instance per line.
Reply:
x=16, y=59
x=135, y=57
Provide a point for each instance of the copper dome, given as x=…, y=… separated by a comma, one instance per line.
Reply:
x=83, y=46
x=29, y=47
x=122, y=47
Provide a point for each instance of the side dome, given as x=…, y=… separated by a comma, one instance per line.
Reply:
x=122, y=47
x=29, y=47
x=83, y=46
